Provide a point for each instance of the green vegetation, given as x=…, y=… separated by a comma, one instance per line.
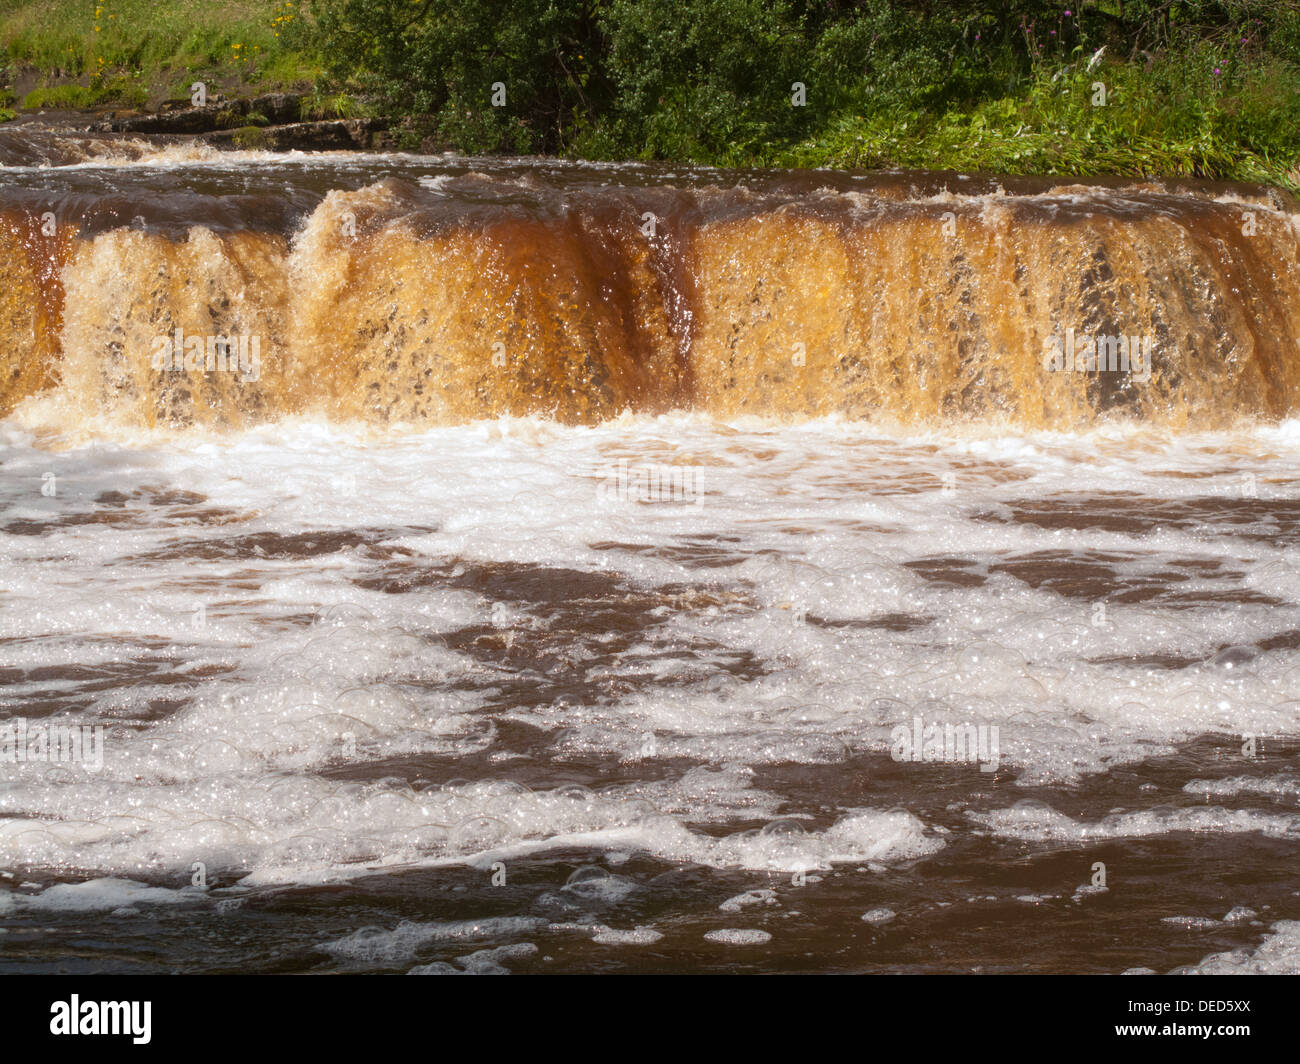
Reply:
x=1200, y=87
x=249, y=137
x=76, y=97
x=321, y=104
x=260, y=43
x=1177, y=87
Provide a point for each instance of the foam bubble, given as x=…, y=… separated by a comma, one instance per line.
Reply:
x=374, y=945
x=638, y=936
x=731, y=936
x=98, y=895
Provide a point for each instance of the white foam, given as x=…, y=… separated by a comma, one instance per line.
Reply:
x=748, y=898
x=1278, y=786
x=1195, y=923
x=97, y=895
x=480, y=962
x=1278, y=954
x=638, y=936
x=378, y=945
x=304, y=670
x=1035, y=821
x=732, y=936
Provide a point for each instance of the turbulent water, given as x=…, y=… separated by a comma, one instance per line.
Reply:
x=592, y=568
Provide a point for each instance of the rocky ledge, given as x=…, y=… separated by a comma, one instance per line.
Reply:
x=273, y=122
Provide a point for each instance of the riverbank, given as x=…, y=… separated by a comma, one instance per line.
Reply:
x=1108, y=90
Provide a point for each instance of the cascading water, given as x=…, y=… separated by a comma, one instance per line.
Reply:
x=450, y=565
x=434, y=296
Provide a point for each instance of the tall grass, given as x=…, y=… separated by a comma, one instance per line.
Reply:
x=1172, y=116
x=267, y=42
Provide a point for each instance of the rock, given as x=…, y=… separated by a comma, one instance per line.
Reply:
x=279, y=108
x=350, y=134
x=192, y=120
x=275, y=108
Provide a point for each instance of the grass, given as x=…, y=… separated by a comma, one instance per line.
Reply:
x=1172, y=120
x=321, y=104
x=260, y=44
x=78, y=97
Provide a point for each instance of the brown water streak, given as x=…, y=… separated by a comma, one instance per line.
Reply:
x=391, y=306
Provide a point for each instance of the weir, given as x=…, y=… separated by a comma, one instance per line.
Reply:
x=413, y=296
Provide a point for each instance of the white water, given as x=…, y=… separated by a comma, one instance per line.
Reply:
x=291, y=668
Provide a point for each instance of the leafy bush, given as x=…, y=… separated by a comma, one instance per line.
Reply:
x=709, y=80
x=1204, y=87
x=446, y=62
x=1198, y=86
